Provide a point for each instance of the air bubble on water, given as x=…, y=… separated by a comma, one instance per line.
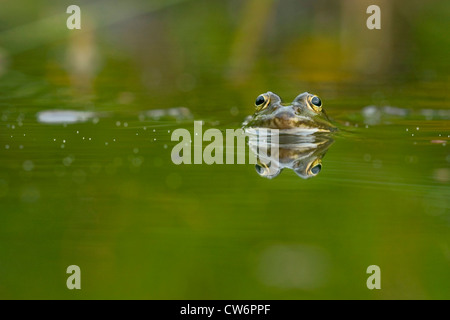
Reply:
x=407, y=129
x=145, y=128
x=67, y=161
x=24, y=134
x=78, y=132
x=95, y=120
x=54, y=139
x=135, y=150
x=417, y=128
x=118, y=123
x=154, y=130
x=90, y=139
x=28, y=165
x=13, y=127
x=154, y=139
x=114, y=140
x=83, y=138
x=168, y=131
x=412, y=134
x=62, y=146
x=64, y=141
x=125, y=124
x=137, y=133
x=165, y=146
x=106, y=143
x=7, y=147
x=21, y=147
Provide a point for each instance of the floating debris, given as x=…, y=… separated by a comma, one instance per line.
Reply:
x=180, y=113
x=65, y=116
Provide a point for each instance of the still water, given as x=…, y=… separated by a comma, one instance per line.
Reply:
x=98, y=189
x=87, y=178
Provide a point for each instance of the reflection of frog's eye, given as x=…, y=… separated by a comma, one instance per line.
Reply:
x=316, y=169
x=259, y=169
x=315, y=103
x=261, y=101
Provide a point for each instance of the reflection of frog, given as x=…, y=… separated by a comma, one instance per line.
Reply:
x=305, y=114
x=301, y=153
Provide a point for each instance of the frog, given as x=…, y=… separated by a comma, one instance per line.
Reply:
x=304, y=115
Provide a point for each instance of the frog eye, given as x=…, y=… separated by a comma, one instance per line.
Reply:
x=315, y=170
x=315, y=103
x=262, y=101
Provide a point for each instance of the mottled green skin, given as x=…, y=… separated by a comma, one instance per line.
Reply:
x=298, y=116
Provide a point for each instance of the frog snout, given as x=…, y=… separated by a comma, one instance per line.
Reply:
x=284, y=114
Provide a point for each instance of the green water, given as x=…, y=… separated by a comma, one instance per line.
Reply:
x=105, y=195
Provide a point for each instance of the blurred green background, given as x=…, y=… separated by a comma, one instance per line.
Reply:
x=104, y=194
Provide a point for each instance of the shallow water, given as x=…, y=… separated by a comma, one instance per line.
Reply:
x=94, y=184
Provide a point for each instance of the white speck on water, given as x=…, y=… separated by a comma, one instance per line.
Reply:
x=118, y=123
x=62, y=146
x=24, y=134
x=28, y=165
x=78, y=132
x=412, y=134
x=145, y=128
x=137, y=133
x=135, y=150
x=90, y=139
x=64, y=141
x=7, y=147
x=114, y=140
x=154, y=130
x=165, y=146
x=154, y=139
x=417, y=128
x=13, y=127
x=125, y=124
x=168, y=131
x=407, y=129
x=54, y=139
x=106, y=143
x=21, y=147
x=83, y=138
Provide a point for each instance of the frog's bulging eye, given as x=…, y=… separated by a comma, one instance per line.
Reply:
x=315, y=103
x=316, y=169
x=262, y=101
